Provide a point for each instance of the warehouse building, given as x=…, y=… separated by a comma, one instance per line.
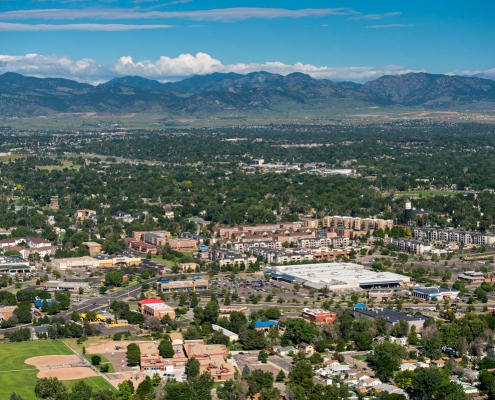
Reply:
x=337, y=277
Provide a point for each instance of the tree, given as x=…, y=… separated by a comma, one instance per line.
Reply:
x=211, y=311
x=363, y=341
x=404, y=379
x=81, y=391
x=49, y=388
x=75, y=316
x=231, y=390
x=258, y=380
x=263, y=356
x=280, y=376
x=114, y=277
x=95, y=359
x=113, y=244
x=178, y=391
x=15, y=396
x=412, y=338
x=386, y=359
x=23, y=313
x=133, y=354
x=126, y=390
x=165, y=349
x=153, y=324
x=300, y=371
x=145, y=389
x=192, y=368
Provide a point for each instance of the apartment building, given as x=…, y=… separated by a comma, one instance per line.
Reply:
x=411, y=246
x=319, y=242
x=228, y=257
x=356, y=223
x=455, y=236
x=245, y=244
x=279, y=257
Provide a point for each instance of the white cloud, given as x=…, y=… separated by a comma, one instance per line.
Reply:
x=222, y=14
x=389, y=26
x=376, y=16
x=5, y=26
x=174, y=68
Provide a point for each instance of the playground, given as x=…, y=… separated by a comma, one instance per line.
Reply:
x=63, y=367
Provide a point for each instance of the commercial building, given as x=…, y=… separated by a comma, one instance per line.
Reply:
x=472, y=277
x=229, y=309
x=14, y=265
x=392, y=317
x=357, y=224
x=196, y=284
x=318, y=315
x=434, y=293
x=158, y=310
x=94, y=262
x=70, y=286
x=338, y=277
x=381, y=294
x=233, y=337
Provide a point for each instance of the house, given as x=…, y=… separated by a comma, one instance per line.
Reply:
x=307, y=349
x=38, y=332
x=84, y=214
x=284, y=351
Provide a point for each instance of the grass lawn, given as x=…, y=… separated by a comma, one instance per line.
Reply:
x=17, y=376
x=72, y=343
x=360, y=357
x=415, y=194
x=104, y=360
x=96, y=382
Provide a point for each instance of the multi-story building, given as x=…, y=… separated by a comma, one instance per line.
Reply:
x=411, y=246
x=211, y=357
x=228, y=257
x=455, y=235
x=152, y=362
x=156, y=308
x=356, y=223
x=318, y=242
x=279, y=257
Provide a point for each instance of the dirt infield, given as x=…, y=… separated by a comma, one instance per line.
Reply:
x=67, y=374
x=47, y=362
x=108, y=347
x=65, y=368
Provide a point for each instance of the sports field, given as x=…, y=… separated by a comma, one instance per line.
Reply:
x=15, y=375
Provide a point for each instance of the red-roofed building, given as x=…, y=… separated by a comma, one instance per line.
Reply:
x=152, y=300
x=318, y=315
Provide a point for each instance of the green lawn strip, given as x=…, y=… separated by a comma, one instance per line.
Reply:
x=97, y=383
x=22, y=383
x=360, y=357
x=104, y=360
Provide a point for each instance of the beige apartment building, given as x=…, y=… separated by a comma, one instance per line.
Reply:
x=356, y=223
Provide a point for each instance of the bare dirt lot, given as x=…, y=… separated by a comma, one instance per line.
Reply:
x=65, y=368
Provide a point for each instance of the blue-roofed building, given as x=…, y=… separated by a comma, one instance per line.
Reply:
x=264, y=325
x=204, y=247
x=39, y=303
x=360, y=306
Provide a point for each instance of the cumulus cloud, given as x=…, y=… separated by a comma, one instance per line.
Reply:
x=389, y=26
x=222, y=14
x=376, y=16
x=174, y=68
x=5, y=26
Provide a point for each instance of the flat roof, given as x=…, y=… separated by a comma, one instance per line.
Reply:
x=337, y=275
x=390, y=315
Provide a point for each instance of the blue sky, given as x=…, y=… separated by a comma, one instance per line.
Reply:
x=94, y=40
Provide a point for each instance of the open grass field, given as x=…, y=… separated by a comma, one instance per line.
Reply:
x=5, y=159
x=65, y=164
x=17, y=376
x=104, y=360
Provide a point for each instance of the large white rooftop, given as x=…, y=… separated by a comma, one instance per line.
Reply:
x=339, y=276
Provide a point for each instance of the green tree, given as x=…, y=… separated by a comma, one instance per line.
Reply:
x=386, y=359
x=192, y=368
x=49, y=388
x=133, y=354
x=165, y=349
x=145, y=389
x=300, y=371
x=280, y=376
x=81, y=391
x=114, y=277
x=96, y=359
x=126, y=391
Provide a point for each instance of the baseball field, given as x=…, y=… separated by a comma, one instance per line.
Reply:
x=20, y=377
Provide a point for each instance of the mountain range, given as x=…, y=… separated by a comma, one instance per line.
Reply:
x=206, y=94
